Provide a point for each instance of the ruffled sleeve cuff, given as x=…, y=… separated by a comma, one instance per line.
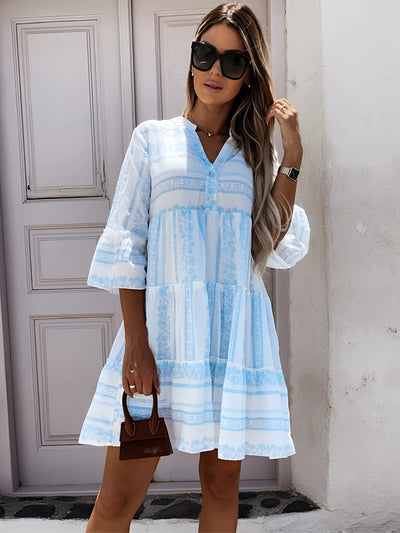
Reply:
x=294, y=245
x=119, y=261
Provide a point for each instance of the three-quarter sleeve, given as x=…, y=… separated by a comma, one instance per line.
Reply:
x=120, y=258
x=294, y=244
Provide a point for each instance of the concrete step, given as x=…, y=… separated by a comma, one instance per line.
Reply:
x=318, y=521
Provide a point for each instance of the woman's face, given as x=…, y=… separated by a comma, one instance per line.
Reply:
x=211, y=86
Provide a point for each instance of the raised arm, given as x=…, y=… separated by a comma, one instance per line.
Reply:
x=284, y=189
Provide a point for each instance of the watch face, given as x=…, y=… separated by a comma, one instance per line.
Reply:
x=294, y=173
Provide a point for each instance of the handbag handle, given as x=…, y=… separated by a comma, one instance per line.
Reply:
x=153, y=420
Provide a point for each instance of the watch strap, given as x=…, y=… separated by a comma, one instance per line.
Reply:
x=291, y=172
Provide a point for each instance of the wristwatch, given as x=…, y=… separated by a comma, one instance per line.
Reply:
x=290, y=172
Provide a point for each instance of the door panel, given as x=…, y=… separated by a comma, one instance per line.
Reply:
x=62, y=142
x=61, y=110
x=59, y=255
x=59, y=339
x=162, y=37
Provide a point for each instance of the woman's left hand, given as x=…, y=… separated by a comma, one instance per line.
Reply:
x=287, y=117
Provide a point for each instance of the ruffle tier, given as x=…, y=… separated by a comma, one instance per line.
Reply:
x=221, y=386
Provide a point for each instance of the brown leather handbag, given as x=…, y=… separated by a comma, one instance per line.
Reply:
x=143, y=438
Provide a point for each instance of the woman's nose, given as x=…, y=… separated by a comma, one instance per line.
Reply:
x=216, y=68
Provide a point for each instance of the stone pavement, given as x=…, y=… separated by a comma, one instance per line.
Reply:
x=262, y=512
x=251, y=505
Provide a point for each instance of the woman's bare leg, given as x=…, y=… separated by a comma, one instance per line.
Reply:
x=220, y=487
x=124, y=486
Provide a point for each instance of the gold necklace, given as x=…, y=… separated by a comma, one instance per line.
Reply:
x=206, y=131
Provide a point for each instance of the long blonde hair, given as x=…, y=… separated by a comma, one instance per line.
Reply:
x=248, y=125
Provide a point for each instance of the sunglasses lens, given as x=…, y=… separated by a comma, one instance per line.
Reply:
x=203, y=56
x=233, y=65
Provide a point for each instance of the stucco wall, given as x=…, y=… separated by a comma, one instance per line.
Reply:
x=343, y=75
x=308, y=355
x=8, y=467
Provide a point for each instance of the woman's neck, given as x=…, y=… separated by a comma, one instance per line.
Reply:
x=210, y=119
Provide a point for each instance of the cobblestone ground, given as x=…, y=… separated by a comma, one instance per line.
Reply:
x=251, y=505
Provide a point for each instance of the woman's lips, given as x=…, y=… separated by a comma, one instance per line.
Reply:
x=213, y=87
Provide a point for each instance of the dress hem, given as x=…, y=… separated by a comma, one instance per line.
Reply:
x=193, y=452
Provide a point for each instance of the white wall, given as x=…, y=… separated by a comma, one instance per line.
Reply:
x=308, y=357
x=8, y=465
x=344, y=77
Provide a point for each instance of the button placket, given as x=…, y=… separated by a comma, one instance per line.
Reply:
x=211, y=170
x=211, y=188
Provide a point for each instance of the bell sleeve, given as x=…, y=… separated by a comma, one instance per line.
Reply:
x=120, y=258
x=295, y=243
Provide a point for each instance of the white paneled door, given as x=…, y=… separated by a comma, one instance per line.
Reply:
x=66, y=98
x=62, y=140
x=162, y=33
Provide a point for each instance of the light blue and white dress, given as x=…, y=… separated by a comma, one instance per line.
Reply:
x=180, y=228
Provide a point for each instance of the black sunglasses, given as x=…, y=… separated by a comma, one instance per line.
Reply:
x=233, y=64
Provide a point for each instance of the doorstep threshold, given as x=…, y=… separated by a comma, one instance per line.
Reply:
x=159, y=487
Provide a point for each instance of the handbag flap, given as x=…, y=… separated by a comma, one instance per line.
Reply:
x=142, y=431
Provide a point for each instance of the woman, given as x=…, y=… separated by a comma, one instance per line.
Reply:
x=196, y=217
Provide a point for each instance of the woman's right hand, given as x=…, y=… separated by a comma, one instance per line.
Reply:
x=139, y=368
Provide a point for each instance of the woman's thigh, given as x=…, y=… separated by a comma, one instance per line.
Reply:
x=126, y=482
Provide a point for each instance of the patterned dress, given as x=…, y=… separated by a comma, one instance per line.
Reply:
x=180, y=228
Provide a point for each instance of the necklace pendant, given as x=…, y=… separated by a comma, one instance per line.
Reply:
x=209, y=134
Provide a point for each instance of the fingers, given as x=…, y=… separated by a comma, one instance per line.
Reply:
x=147, y=388
x=134, y=383
x=139, y=372
x=126, y=386
x=281, y=109
x=137, y=385
x=156, y=382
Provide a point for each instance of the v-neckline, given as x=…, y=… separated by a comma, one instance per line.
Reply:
x=200, y=146
x=205, y=153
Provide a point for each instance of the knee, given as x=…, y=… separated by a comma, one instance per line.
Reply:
x=113, y=504
x=221, y=484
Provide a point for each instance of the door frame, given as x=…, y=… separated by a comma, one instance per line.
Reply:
x=9, y=475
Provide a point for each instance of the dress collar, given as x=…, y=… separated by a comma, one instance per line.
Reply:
x=189, y=124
